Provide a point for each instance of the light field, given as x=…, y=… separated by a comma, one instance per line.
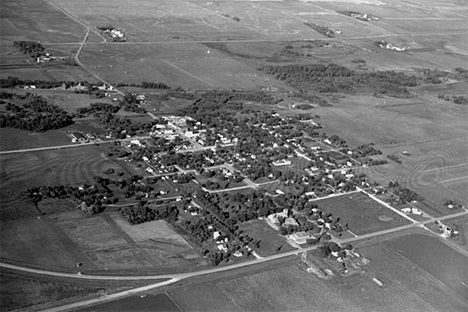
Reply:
x=363, y=214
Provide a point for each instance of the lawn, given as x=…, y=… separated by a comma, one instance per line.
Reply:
x=361, y=213
x=270, y=239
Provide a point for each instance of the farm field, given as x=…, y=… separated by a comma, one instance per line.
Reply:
x=148, y=303
x=460, y=225
x=438, y=259
x=101, y=243
x=290, y=288
x=53, y=167
x=19, y=292
x=363, y=214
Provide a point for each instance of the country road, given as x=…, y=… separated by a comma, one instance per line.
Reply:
x=37, y=149
x=181, y=276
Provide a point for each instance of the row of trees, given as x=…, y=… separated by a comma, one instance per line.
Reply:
x=145, y=212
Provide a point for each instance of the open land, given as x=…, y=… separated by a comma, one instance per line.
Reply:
x=362, y=213
x=195, y=47
x=405, y=287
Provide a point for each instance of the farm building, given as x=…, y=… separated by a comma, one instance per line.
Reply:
x=283, y=162
x=300, y=237
x=77, y=137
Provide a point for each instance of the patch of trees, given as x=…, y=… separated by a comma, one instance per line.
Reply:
x=329, y=247
x=366, y=150
x=404, y=195
x=460, y=100
x=121, y=127
x=92, y=197
x=332, y=78
x=145, y=212
x=36, y=115
x=31, y=48
x=395, y=158
x=436, y=76
x=321, y=29
x=131, y=103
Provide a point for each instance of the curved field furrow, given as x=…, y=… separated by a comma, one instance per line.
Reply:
x=56, y=167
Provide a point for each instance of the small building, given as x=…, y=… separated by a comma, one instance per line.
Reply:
x=300, y=237
x=406, y=210
x=77, y=137
x=283, y=162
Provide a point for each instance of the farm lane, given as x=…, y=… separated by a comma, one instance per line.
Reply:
x=70, y=145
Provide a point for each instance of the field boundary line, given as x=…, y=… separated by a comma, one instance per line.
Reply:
x=186, y=72
x=445, y=167
x=455, y=179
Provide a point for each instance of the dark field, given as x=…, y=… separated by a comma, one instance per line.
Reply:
x=146, y=303
x=437, y=258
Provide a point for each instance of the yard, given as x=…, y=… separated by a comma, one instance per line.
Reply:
x=270, y=239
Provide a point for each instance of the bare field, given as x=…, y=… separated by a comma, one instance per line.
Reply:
x=52, y=26
x=191, y=66
x=362, y=213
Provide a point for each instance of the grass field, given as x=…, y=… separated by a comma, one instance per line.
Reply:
x=362, y=213
x=270, y=238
